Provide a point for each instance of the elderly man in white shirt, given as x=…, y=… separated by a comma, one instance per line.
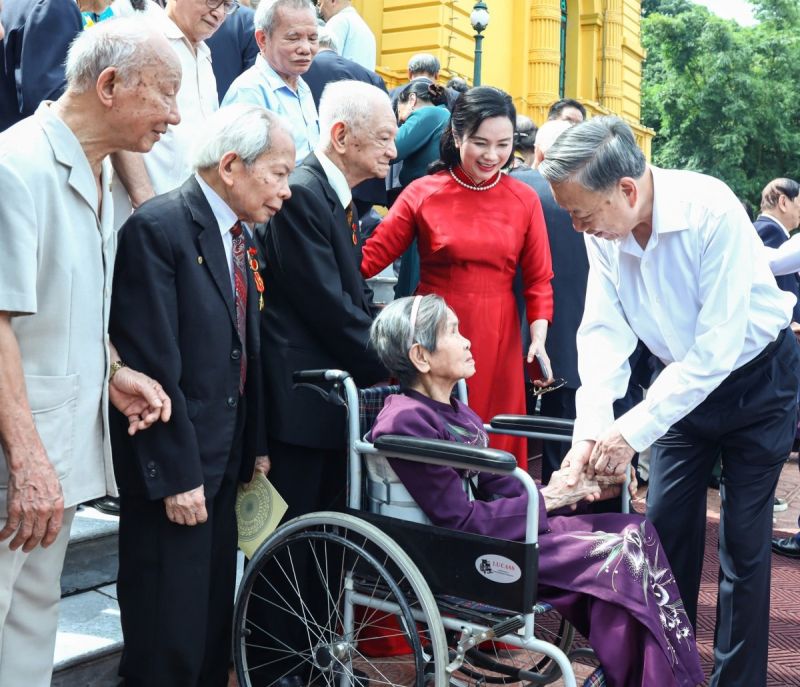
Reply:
x=671, y=264
x=186, y=24
x=352, y=34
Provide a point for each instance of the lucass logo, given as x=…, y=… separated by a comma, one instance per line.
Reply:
x=498, y=568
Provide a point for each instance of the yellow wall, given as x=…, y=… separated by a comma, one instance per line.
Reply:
x=521, y=49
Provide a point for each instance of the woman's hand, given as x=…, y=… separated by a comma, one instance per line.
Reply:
x=558, y=494
x=537, y=350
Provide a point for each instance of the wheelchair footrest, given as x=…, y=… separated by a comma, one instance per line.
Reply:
x=508, y=627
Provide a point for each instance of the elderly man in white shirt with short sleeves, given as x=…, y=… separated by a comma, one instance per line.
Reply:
x=671, y=264
x=186, y=24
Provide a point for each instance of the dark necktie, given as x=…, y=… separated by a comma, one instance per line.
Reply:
x=240, y=287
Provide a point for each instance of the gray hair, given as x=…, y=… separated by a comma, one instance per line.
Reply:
x=246, y=130
x=423, y=63
x=550, y=131
x=350, y=102
x=327, y=41
x=120, y=43
x=391, y=331
x=595, y=154
x=266, y=18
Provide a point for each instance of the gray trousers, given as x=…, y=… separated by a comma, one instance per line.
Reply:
x=750, y=420
x=30, y=592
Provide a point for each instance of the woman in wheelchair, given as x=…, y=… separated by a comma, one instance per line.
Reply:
x=605, y=573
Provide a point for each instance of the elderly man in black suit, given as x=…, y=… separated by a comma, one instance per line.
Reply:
x=329, y=66
x=780, y=215
x=185, y=307
x=318, y=314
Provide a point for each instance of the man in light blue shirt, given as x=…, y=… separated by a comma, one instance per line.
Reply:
x=286, y=33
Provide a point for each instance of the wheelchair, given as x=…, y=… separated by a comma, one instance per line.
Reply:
x=461, y=606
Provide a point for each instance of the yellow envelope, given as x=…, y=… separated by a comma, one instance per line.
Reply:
x=259, y=509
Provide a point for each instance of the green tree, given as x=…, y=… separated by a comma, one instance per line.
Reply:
x=721, y=97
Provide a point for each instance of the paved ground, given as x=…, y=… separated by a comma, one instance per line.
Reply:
x=784, y=641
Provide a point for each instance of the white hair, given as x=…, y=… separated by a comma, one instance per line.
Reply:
x=120, y=43
x=549, y=132
x=327, y=41
x=266, y=16
x=350, y=102
x=246, y=130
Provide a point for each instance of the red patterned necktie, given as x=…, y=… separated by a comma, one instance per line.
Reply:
x=240, y=286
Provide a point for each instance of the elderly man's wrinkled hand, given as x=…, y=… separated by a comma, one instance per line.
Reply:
x=141, y=399
x=262, y=467
x=558, y=493
x=188, y=508
x=35, y=502
x=611, y=455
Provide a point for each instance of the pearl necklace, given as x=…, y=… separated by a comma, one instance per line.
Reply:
x=486, y=187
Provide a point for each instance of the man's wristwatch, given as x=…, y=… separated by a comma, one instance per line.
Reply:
x=116, y=366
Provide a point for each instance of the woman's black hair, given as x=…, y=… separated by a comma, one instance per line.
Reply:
x=424, y=90
x=471, y=109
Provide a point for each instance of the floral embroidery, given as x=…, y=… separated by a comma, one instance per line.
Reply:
x=637, y=551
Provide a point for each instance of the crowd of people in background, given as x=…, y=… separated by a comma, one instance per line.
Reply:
x=188, y=215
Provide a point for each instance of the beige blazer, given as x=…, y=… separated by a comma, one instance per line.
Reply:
x=56, y=269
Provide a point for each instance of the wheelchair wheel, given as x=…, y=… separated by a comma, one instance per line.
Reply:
x=320, y=598
x=499, y=664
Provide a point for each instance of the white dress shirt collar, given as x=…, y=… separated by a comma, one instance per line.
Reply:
x=336, y=178
x=225, y=217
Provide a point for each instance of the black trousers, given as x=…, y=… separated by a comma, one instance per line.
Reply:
x=309, y=480
x=750, y=420
x=176, y=589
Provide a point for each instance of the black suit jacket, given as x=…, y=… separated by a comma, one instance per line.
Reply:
x=173, y=317
x=318, y=310
x=571, y=270
x=233, y=48
x=32, y=54
x=328, y=67
x=773, y=236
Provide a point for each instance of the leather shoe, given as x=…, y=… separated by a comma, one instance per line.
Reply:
x=107, y=505
x=788, y=546
x=290, y=681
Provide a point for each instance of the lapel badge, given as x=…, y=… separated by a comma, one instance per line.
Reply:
x=199, y=259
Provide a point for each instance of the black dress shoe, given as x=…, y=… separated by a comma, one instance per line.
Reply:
x=789, y=546
x=106, y=504
x=290, y=681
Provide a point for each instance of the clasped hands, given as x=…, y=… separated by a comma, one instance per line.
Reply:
x=592, y=471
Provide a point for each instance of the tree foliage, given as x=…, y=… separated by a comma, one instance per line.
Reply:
x=722, y=97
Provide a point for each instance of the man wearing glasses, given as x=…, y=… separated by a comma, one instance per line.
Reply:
x=675, y=263
x=186, y=25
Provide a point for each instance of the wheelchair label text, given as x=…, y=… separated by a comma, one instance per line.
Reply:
x=498, y=568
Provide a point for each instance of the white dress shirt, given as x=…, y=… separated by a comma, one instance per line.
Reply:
x=785, y=259
x=225, y=217
x=354, y=38
x=336, y=179
x=695, y=296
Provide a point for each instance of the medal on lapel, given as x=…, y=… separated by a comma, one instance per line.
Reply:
x=353, y=224
x=259, y=282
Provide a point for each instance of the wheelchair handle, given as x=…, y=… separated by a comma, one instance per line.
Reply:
x=309, y=376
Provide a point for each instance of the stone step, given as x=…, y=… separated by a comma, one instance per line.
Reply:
x=89, y=640
x=92, y=555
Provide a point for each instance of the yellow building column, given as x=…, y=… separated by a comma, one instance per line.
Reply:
x=611, y=56
x=544, y=56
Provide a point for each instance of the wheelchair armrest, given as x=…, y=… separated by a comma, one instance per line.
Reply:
x=441, y=452
x=311, y=376
x=533, y=423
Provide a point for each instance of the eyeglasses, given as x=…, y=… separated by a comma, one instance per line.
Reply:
x=229, y=6
x=537, y=391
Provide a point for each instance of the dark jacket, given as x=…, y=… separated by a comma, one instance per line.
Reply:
x=571, y=270
x=32, y=54
x=318, y=310
x=233, y=48
x=773, y=236
x=173, y=318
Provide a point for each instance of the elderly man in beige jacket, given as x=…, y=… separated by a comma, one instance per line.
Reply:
x=58, y=369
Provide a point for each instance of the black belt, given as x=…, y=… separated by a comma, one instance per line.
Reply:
x=766, y=352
